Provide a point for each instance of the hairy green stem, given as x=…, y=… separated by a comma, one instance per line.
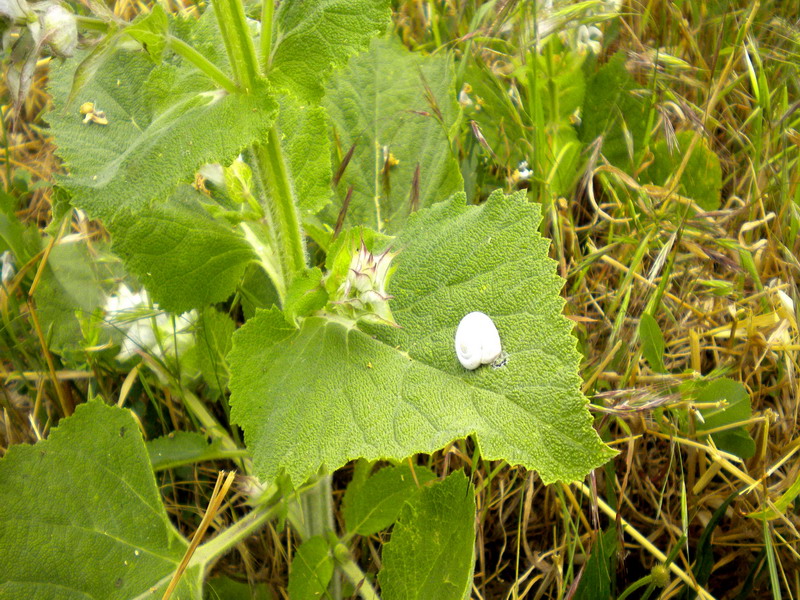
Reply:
x=271, y=163
x=238, y=43
x=191, y=55
x=267, y=12
x=317, y=504
x=91, y=23
x=354, y=573
x=282, y=206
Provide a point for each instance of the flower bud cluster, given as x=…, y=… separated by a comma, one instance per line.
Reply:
x=363, y=293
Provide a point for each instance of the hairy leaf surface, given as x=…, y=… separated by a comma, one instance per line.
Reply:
x=184, y=257
x=157, y=135
x=329, y=392
x=394, y=106
x=81, y=516
x=313, y=37
x=303, y=133
x=431, y=551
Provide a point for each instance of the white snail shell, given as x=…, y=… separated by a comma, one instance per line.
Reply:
x=477, y=341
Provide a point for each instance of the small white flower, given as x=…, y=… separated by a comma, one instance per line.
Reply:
x=7, y=260
x=523, y=171
x=588, y=38
x=146, y=329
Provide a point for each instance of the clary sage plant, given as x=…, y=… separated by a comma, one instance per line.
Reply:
x=286, y=177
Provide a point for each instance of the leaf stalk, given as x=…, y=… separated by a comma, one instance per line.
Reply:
x=238, y=43
x=192, y=56
x=267, y=13
x=235, y=534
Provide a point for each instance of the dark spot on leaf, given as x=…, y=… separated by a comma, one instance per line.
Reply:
x=122, y=432
x=118, y=582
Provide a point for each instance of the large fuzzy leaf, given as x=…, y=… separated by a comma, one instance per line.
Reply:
x=397, y=106
x=329, y=392
x=158, y=132
x=313, y=37
x=81, y=516
x=185, y=257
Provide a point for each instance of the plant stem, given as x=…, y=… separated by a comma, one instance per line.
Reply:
x=646, y=580
x=318, y=519
x=91, y=23
x=269, y=263
x=185, y=51
x=282, y=205
x=238, y=43
x=317, y=508
x=269, y=156
x=267, y=12
x=354, y=573
x=197, y=408
x=236, y=533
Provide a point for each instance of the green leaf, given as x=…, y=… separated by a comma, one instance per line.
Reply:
x=214, y=338
x=431, y=553
x=306, y=295
x=68, y=292
x=183, y=256
x=782, y=504
x=183, y=448
x=389, y=102
x=704, y=561
x=157, y=135
x=303, y=132
x=225, y=588
x=257, y=291
x=314, y=37
x=151, y=32
x=312, y=569
x=561, y=159
x=599, y=573
x=373, y=505
x=702, y=177
x=390, y=392
x=652, y=343
x=735, y=440
x=610, y=110
x=81, y=515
